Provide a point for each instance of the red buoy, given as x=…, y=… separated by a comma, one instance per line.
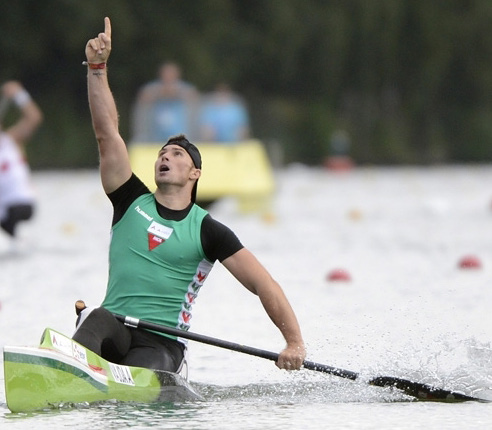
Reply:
x=470, y=262
x=338, y=275
x=340, y=163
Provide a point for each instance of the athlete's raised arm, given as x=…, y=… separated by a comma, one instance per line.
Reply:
x=114, y=162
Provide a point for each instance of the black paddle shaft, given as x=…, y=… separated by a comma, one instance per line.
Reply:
x=136, y=323
x=414, y=389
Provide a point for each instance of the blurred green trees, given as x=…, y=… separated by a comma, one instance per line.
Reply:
x=409, y=80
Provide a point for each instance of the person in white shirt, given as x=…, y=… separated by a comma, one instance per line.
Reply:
x=16, y=195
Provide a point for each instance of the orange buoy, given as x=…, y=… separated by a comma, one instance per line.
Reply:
x=354, y=215
x=268, y=217
x=338, y=275
x=470, y=262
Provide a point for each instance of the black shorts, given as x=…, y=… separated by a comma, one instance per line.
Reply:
x=108, y=337
x=15, y=214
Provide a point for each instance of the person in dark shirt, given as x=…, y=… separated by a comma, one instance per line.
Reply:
x=163, y=245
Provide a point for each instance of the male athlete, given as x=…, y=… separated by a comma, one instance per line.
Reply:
x=163, y=245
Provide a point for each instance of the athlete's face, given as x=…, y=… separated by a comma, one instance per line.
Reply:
x=174, y=166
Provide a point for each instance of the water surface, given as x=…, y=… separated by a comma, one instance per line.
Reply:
x=409, y=311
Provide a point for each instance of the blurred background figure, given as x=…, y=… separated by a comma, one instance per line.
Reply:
x=339, y=158
x=16, y=194
x=223, y=116
x=164, y=107
x=340, y=143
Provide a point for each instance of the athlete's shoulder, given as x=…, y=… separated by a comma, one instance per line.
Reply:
x=125, y=195
x=219, y=241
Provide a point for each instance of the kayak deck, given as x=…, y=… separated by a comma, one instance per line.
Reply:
x=60, y=371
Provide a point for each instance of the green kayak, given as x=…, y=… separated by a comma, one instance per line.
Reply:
x=61, y=372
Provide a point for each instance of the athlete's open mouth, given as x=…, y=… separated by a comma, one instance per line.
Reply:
x=163, y=168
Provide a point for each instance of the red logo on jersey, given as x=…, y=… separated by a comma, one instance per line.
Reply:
x=154, y=241
x=201, y=276
x=186, y=317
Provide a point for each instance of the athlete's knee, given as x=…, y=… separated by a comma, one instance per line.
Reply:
x=94, y=320
x=98, y=330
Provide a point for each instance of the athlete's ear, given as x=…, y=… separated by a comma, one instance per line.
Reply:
x=195, y=173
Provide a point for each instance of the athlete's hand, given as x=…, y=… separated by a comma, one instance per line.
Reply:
x=292, y=357
x=98, y=49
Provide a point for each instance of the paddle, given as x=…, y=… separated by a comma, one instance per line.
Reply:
x=414, y=389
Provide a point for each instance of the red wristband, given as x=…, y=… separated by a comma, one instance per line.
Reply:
x=95, y=65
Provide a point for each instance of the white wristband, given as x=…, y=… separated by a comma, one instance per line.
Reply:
x=21, y=98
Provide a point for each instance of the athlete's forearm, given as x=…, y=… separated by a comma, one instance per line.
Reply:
x=281, y=313
x=102, y=105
